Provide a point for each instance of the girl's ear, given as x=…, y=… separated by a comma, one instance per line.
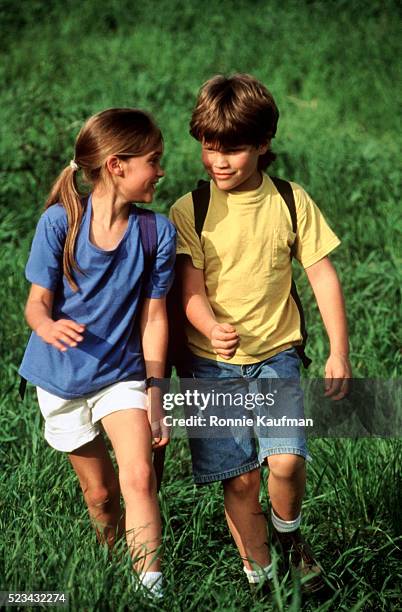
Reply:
x=262, y=149
x=114, y=165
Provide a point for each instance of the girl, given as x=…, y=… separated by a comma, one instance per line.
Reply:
x=100, y=328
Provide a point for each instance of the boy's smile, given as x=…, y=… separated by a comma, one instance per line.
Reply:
x=235, y=168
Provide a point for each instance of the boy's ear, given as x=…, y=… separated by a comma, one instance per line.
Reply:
x=114, y=165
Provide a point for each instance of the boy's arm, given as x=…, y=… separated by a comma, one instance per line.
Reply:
x=223, y=337
x=38, y=314
x=328, y=293
x=154, y=338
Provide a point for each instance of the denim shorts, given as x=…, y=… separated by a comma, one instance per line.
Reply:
x=218, y=454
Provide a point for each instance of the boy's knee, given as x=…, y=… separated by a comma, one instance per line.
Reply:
x=243, y=485
x=137, y=480
x=286, y=466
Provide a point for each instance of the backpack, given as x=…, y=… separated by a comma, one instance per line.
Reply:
x=178, y=352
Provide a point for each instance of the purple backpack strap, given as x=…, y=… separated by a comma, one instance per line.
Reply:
x=149, y=239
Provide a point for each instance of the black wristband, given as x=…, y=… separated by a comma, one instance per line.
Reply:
x=154, y=382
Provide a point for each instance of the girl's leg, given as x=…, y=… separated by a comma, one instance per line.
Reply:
x=100, y=486
x=130, y=436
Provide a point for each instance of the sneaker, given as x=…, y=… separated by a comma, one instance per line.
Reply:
x=298, y=555
x=152, y=591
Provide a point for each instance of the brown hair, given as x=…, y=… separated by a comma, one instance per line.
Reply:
x=233, y=111
x=116, y=131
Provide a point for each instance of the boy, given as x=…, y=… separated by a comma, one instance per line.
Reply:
x=242, y=319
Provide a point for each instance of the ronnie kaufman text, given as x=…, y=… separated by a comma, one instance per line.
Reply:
x=215, y=421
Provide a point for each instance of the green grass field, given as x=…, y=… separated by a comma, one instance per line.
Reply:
x=333, y=68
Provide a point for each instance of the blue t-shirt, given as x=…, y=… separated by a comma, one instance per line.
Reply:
x=107, y=302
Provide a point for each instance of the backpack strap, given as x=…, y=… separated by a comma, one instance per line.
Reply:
x=149, y=239
x=22, y=387
x=286, y=192
x=201, y=197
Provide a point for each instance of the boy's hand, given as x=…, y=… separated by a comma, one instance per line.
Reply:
x=224, y=339
x=337, y=375
x=61, y=334
x=160, y=431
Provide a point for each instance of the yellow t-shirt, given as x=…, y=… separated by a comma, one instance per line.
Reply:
x=244, y=252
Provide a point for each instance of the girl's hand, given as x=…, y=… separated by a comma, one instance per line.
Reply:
x=338, y=372
x=61, y=334
x=159, y=430
x=224, y=339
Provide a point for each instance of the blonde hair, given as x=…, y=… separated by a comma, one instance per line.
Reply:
x=235, y=110
x=125, y=132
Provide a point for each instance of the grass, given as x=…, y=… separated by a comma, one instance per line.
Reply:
x=332, y=68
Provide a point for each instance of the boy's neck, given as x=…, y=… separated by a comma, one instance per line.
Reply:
x=252, y=183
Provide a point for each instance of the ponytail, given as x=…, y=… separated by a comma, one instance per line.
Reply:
x=65, y=191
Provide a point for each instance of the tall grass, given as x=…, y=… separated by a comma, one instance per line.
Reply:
x=332, y=68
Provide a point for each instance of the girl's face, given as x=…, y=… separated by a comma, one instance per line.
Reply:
x=140, y=176
x=233, y=169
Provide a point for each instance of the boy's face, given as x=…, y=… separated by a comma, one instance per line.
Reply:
x=234, y=169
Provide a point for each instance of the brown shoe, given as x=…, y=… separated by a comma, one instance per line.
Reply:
x=298, y=555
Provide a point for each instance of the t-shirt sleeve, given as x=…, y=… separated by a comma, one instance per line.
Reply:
x=45, y=261
x=314, y=239
x=188, y=242
x=163, y=270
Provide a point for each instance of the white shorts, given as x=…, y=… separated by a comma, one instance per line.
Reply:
x=70, y=423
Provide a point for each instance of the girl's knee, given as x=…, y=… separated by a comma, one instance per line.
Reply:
x=243, y=485
x=286, y=466
x=101, y=498
x=137, y=480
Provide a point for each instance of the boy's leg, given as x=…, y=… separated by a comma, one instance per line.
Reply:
x=283, y=447
x=286, y=484
x=100, y=486
x=231, y=459
x=130, y=435
x=245, y=518
x=285, y=450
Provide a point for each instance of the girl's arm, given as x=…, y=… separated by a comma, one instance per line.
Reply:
x=223, y=337
x=38, y=313
x=154, y=337
x=328, y=293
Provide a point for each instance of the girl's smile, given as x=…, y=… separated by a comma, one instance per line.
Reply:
x=140, y=176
